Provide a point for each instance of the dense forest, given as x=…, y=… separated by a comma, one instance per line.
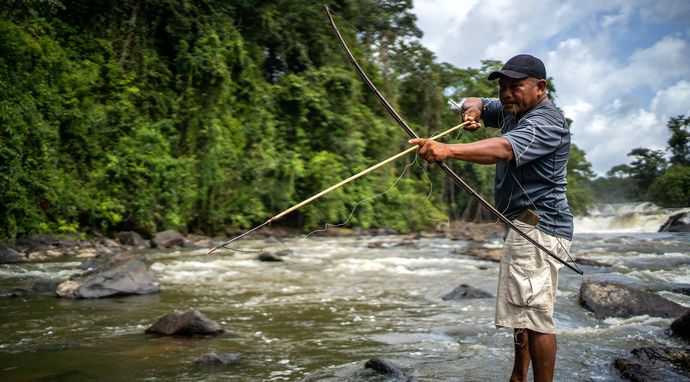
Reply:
x=652, y=175
x=210, y=115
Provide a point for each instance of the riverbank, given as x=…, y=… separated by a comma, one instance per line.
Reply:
x=40, y=248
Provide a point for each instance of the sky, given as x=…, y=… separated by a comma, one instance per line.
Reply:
x=621, y=68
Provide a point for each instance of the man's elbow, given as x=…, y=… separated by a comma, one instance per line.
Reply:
x=505, y=151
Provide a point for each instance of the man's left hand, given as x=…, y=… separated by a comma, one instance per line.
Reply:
x=431, y=150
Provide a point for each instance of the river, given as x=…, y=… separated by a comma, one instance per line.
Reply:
x=334, y=303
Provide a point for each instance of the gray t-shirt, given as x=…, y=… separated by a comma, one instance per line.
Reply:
x=535, y=178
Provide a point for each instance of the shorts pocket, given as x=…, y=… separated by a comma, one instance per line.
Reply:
x=529, y=288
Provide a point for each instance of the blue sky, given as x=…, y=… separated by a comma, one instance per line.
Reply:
x=621, y=68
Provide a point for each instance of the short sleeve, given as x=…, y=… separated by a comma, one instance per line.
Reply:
x=534, y=137
x=491, y=112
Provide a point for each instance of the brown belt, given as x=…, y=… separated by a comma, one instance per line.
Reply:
x=528, y=217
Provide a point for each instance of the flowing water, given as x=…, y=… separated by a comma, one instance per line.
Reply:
x=334, y=303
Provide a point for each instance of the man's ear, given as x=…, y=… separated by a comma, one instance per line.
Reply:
x=541, y=87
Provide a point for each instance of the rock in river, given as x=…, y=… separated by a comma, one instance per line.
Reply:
x=267, y=256
x=9, y=255
x=465, y=291
x=381, y=366
x=615, y=300
x=655, y=364
x=189, y=323
x=218, y=359
x=681, y=326
x=117, y=277
x=679, y=222
x=168, y=239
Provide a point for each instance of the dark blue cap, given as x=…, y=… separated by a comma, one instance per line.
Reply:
x=521, y=66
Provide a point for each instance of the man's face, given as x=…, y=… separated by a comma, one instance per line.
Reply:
x=519, y=96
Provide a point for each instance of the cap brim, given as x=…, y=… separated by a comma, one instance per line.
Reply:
x=507, y=73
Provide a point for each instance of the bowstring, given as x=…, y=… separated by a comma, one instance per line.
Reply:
x=390, y=188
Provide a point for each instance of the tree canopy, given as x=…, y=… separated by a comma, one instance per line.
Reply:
x=206, y=115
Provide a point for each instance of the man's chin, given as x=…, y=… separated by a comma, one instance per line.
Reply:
x=510, y=109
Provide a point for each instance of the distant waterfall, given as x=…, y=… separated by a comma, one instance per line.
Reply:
x=624, y=217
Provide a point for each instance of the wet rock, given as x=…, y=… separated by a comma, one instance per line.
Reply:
x=198, y=241
x=43, y=242
x=384, y=367
x=44, y=255
x=481, y=252
x=132, y=239
x=655, y=364
x=591, y=262
x=681, y=326
x=41, y=286
x=116, y=277
x=286, y=252
x=9, y=255
x=93, y=262
x=44, y=286
x=677, y=223
x=615, y=300
x=673, y=287
x=407, y=242
x=13, y=293
x=653, y=263
x=168, y=239
x=267, y=256
x=270, y=240
x=189, y=323
x=218, y=359
x=465, y=291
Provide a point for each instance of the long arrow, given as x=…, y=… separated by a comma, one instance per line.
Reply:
x=335, y=186
x=443, y=166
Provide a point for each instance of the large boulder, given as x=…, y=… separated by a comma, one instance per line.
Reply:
x=614, y=300
x=655, y=364
x=168, y=239
x=681, y=326
x=42, y=243
x=9, y=255
x=383, y=367
x=189, y=323
x=117, y=277
x=465, y=291
x=267, y=256
x=132, y=239
x=679, y=222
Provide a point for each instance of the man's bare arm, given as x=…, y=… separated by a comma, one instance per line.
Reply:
x=487, y=151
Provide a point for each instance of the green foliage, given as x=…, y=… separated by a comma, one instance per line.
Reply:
x=672, y=189
x=202, y=116
x=679, y=142
x=650, y=176
x=579, y=173
x=142, y=186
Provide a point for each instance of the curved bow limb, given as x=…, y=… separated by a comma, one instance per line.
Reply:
x=456, y=178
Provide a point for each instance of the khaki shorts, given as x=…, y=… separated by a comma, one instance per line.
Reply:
x=528, y=280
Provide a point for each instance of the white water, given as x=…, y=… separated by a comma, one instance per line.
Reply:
x=624, y=217
x=335, y=302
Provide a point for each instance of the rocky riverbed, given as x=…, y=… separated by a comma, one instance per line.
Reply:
x=336, y=307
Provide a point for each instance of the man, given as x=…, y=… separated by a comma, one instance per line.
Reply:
x=530, y=156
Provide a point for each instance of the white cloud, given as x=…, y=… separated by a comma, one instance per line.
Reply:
x=672, y=101
x=619, y=95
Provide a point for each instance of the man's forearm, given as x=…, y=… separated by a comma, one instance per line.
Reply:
x=487, y=151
